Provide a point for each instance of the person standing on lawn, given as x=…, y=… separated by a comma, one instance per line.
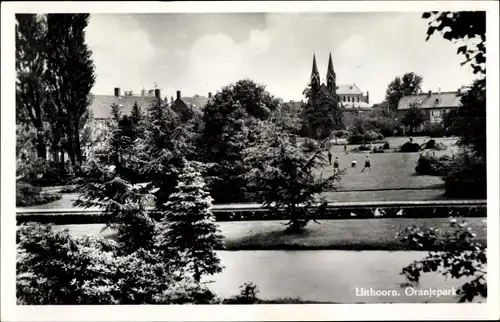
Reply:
x=330, y=157
x=336, y=165
x=345, y=148
x=367, y=164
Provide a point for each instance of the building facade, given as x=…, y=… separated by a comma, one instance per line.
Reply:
x=434, y=105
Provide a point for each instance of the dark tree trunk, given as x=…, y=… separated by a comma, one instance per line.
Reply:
x=41, y=148
x=70, y=134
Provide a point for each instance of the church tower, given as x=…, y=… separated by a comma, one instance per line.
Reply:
x=315, y=80
x=331, y=78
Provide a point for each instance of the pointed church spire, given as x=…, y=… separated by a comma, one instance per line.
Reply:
x=315, y=67
x=331, y=78
x=315, y=80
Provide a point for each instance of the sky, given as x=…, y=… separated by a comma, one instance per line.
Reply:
x=198, y=53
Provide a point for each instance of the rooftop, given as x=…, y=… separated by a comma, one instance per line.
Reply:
x=430, y=100
x=353, y=89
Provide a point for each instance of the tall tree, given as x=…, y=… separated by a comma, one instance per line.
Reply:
x=108, y=180
x=321, y=113
x=30, y=69
x=70, y=76
x=282, y=177
x=413, y=117
x=166, y=142
x=408, y=84
x=190, y=234
x=230, y=118
x=137, y=120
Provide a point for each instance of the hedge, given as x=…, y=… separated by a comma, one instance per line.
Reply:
x=263, y=214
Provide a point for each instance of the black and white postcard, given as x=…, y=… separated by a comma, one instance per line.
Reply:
x=250, y=160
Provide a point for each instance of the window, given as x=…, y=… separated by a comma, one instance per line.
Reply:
x=344, y=98
x=436, y=113
x=348, y=98
x=358, y=99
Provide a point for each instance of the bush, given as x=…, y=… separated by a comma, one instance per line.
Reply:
x=248, y=295
x=69, y=189
x=431, y=144
x=429, y=164
x=466, y=177
x=50, y=174
x=29, y=195
x=341, y=134
x=310, y=145
x=386, y=146
x=55, y=268
x=456, y=254
x=434, y=130
x=356, y=139
x=361, y=212
x=410, y=147
x=373, y=136
x=364, y=148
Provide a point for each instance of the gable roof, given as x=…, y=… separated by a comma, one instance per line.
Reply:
x=434, y=100
x=101, y=104
x=197, y=102
x=353, y=89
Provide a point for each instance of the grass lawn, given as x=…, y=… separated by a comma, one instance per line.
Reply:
x=390, y=170
x=348, y=234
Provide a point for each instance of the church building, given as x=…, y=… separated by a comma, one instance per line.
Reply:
x=348, y=96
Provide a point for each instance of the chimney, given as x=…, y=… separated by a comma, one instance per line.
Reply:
x=429, y=93
x=117, y=91
x=158, y=93
x=209, y=94
x=178, y=95
x=367, y=97
x=439, y=90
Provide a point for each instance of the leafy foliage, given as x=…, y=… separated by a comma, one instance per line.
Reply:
x=30, y=83
x=469, y=120
x=107, y=181
x=55, y=268
x=467, y=27
x=458, y=255
x=160, y=154
x=281, y=177
x=430, y=164
x=70, y=77
x=466, y=176
x=248, y=295
x=321, y=113
x=137, y=121
x=29, y=195
x=189, y=232
x=229, y=127
x=413, y=117
x=408, y=84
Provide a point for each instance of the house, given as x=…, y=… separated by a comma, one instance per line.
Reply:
x=186, y=106
x=101, y=104
x=434, y=104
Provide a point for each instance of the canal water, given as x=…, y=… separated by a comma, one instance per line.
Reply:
x=329, y=276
